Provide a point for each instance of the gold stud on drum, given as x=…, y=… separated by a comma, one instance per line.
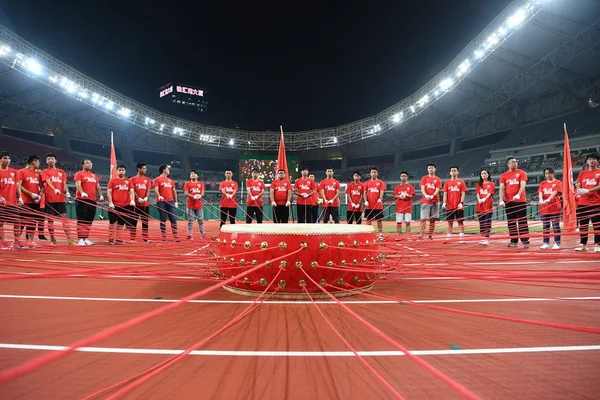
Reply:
x=242, y=262
x=264, y=245
x=246, y=280
x=232, y=244
x=322, y=282
x=340, y=282
x=367, y=242
x=314, y=265
x=254, y=262
x=263, y=282
x=298, y=264
x=232, y=259
x=355, y=261
x=268, y=264
x=356, y=279
x=283, y=264
x=282, y=284
x=356, y=243
x=365, y=260
x=343, y=263
x=322, y=245
x=341, y=244
x=372, y=258
x=302, y=283
x=304, y=245
x=247, y=244
x=283, y=245
x=330, y=263
x=368, y=277
x=383, y=256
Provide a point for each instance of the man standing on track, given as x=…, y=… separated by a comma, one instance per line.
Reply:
x=254, y=203
x=30, y=189
x=403, y=194
x=304, y=188
x=87, y=185
x=430, y=189
x=454, y=199
x=330, y=192
x=166, y=201
x=374, y=192
x=9, y=212
x=314, y=202
x=228, y=205
x=588, y=210
x=141, y=190
x=194, y=191
x=120, y=203
x=514, y=200
x=281, y=197
x=354, y=198
x=550, y=208
x=56, y=192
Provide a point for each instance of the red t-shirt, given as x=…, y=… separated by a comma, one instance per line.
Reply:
x=193, y=188
x=330, y=187
x=355, y=191
x=588, y=180
x=120, y=191
x=230, y=187
x=404, y=205
x=8, y=186
x=373, y=189
x=512, y=182
x=431, y=183
x=165, y=187
x=31, y=181
x=254, y=188
x=58, y=178
x=482, y=192
x=141, y=187
x=89, y=182
x=453, y=190
x=314, y=199
x=280, y=189
x=304, y=186
x=546, y=189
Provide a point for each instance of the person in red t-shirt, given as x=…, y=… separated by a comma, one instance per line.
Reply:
x=166, y=201
x=281, y=198
x=485, y=205
x=454, y=198
x=513, y=198
x=430, y=189
x=304, y=188
x=329, y=188
x=354, y=199
x=30, y=190
x=228, y=204
x=588, y=209
x=56, y=192
x=254, y=202
x=120, y=203
x=194, y=191
x=550, y=208
x=314, y=202
x=9, y=213
x=87, y=185
x=403, y=193
x=141, y=190
x=373, y=196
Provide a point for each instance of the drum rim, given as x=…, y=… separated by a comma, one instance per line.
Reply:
x=299, y=295
x=298, y=229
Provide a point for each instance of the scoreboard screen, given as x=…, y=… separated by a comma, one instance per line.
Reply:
x=267, y=165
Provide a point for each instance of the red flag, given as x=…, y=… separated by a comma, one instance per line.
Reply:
x=113, y=158
x=568, y=191
x=281, y=159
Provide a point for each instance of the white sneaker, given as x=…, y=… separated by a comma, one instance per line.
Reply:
x=556, y=246
x=88, y=242
x=484, y=243
x=81, y=242
x=597, y=248
x=581, y=248
x=545, y=246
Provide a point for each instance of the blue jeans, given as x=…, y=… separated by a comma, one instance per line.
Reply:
x=167, y=210
x=195, y=215
x=553, y=219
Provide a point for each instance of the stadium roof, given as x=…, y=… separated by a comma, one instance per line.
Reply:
x=537, y=59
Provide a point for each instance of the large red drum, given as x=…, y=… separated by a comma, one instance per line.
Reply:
x=343, y=256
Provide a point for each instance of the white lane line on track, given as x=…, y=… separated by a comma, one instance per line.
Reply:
x=254, y=353
x=133, y=300
x=194, y=251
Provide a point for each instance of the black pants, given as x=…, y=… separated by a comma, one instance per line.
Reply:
x=86, y=212
x=354, y=216
x=485, y=224
x=334, y=212
x=554, y=220
x=142, y=213
x=585, y=215
x=281, y=214
x=227, y=213
x=314, y=214
x=304, y=213
x=254, y=212
x=516, y=214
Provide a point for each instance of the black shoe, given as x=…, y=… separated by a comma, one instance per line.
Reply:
x=42, y=237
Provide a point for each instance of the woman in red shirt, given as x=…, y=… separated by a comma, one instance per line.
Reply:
x=485, y=189
x=550, y=208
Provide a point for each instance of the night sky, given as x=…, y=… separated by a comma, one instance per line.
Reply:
x=282, y=63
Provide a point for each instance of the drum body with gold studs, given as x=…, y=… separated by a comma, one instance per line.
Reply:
x=296, y=257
